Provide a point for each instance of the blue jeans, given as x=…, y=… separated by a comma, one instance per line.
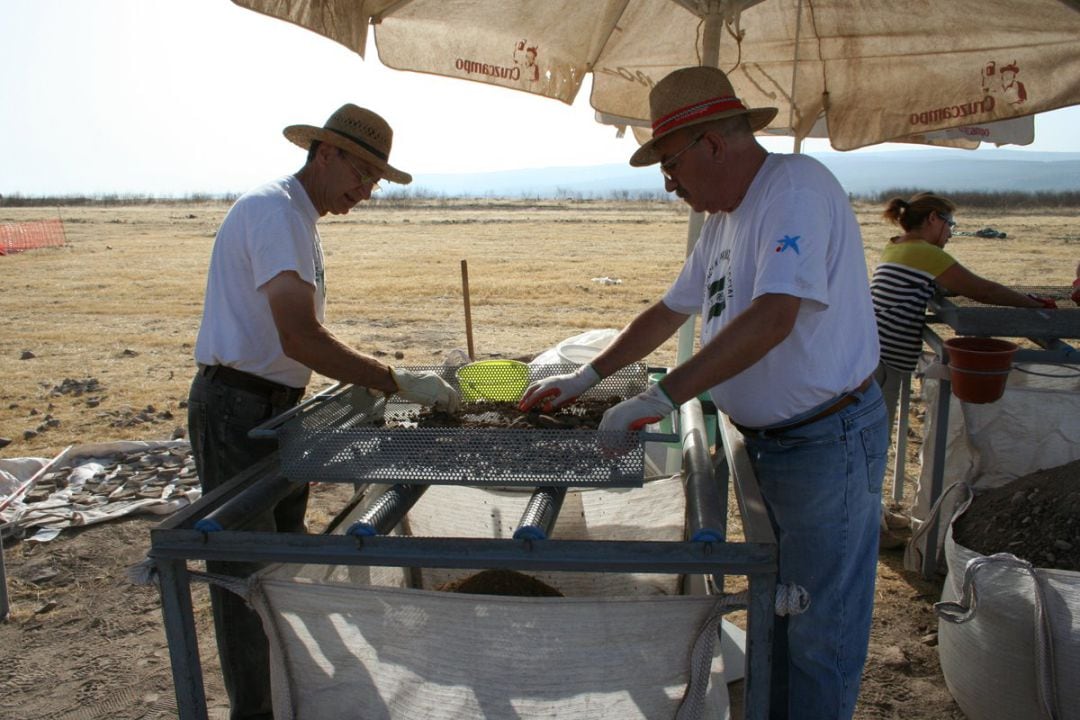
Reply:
x=219, y=417
x=822, y=487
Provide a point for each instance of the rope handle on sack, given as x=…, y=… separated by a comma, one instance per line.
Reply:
x=1073, y=372
x=692, y=706
x=932, y=520
x=145, y=572
x=960, y=611
x=791, y=599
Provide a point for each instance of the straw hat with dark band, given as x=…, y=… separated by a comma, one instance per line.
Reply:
x=356, y=131
x=691, y=96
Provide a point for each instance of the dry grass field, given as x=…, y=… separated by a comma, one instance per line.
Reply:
x=116, y=311
x=121, y=302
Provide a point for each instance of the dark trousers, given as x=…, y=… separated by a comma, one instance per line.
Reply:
x=219, y=417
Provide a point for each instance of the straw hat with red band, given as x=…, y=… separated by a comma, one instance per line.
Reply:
x=691, y=96
x=357, y=131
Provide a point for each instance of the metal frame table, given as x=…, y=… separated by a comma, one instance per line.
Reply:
x=176, y=541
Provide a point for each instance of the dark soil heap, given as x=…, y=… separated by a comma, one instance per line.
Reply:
x=501, y=582
x=1036, y=518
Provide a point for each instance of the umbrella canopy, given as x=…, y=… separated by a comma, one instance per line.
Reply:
x=874, y=70
x=1014, y=131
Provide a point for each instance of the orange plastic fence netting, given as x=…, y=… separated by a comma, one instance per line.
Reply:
x=16, y=237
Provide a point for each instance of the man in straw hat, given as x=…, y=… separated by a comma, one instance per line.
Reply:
x=262, y=335
x=788, y=350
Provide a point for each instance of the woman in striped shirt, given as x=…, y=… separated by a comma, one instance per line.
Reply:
x=902, y=284
x=904, y=280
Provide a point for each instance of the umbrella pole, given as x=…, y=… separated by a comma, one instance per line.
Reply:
x=686, y=332
x=710, y=57
x=468, y=312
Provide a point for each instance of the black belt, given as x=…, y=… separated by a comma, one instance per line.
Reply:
x=251, y=383
x=836, y=407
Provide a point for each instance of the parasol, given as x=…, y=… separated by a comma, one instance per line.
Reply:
x=873, y=70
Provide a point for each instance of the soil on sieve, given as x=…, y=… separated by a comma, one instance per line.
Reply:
x=583, y=414
x=501, y=582
x=1035, y=517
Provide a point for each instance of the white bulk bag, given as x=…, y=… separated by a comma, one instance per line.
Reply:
x=352, y=641
x=1008, y=635
x=345, y=651
x=1033, y=426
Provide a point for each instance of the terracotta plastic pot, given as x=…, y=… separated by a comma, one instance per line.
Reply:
x=979, y=367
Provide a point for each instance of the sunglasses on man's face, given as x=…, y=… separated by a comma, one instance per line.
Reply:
x=668, y=166
x=365, y=178
x=947, y=219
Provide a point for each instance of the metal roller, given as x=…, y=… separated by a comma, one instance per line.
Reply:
x=706, y=506
x=387, y=510
x=256, y=499
x=540, y=514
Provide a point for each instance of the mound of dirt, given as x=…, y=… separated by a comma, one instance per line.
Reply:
x=1036, y=518
x=501, y=582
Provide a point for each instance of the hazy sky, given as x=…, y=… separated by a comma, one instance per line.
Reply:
x=182, y=96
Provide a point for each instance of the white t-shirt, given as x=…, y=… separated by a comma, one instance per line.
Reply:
x=794, y=234
x=269, y=230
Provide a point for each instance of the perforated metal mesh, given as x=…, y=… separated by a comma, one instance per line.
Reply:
x=354, y=437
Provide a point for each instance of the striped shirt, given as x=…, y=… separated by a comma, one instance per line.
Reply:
x=902, y=284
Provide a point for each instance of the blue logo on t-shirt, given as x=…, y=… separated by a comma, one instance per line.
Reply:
x=789, y=242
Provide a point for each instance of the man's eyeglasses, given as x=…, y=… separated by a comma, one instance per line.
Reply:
x=947, y=219
x=668, y=166
x=365, y=178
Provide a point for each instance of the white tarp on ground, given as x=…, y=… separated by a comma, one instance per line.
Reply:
x=100, y=482
x=1008, y=636
x=351, y=641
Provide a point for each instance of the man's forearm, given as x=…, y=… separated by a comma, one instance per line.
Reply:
x=644, y=334
x=326, y=355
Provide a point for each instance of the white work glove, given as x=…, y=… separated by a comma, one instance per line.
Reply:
x=426, y=388
x=632, y=415
x=558, y=390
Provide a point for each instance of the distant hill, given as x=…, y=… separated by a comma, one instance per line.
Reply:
x=953, y=170
x=862, y=173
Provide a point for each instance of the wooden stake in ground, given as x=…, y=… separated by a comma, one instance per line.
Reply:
x=468, y=312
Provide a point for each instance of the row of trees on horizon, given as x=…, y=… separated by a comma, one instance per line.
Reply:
x=404, y=197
